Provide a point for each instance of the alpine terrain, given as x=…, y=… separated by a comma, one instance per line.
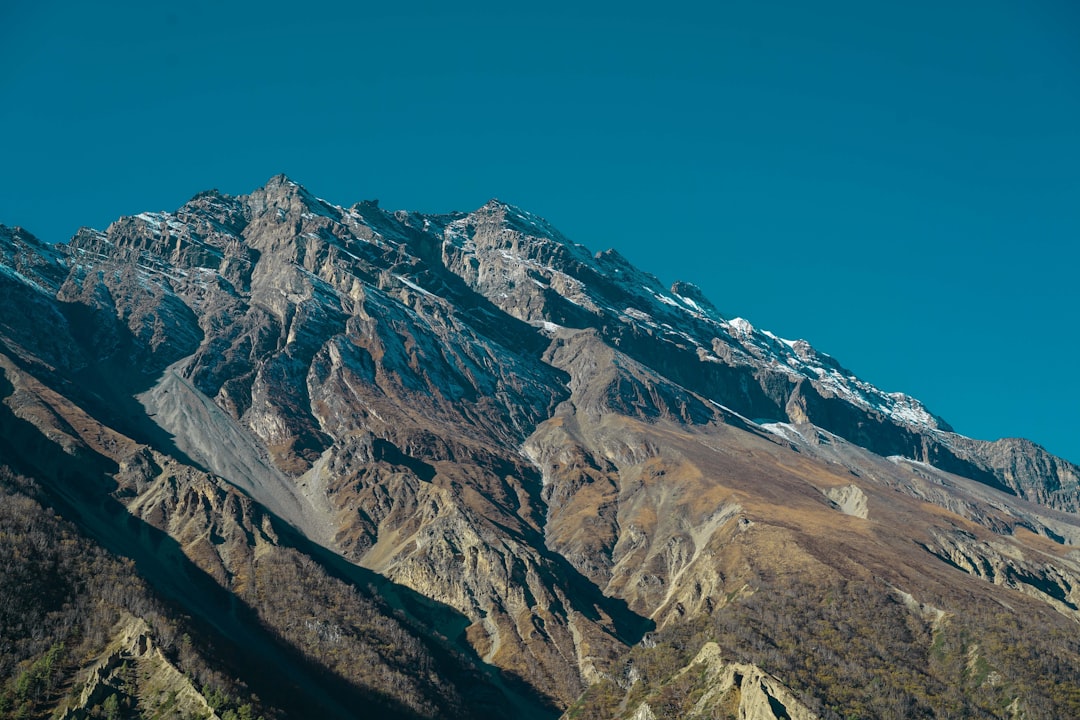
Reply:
x=268, y=456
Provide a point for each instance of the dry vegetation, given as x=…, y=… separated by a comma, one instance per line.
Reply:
x=853, y=649
x=63, y=596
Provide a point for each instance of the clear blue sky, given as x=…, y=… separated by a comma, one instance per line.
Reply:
x=896, y=182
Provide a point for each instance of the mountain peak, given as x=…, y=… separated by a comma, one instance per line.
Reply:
x=495, y=204
x=281, y=180
x=282, y=192
x=471, y=422
x=282, y=185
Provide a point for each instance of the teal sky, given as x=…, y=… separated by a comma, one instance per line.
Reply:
x=896, y=182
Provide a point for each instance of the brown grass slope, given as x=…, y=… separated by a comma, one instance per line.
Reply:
x=872, y=587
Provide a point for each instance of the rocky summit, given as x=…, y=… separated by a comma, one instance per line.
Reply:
x=268, y=456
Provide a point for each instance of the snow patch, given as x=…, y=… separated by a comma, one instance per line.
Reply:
x=638, y=315
x=787, y=431
x=790, y=343
x=691, y=304
x=901, y=460
x=151, y=219
x=415, y=287
x=742, y=326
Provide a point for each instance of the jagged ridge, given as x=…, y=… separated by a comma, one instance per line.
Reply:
x=548, y=442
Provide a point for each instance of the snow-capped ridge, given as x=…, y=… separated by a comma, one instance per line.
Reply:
x=694, y=298
x=519, y=256
x=517, y=259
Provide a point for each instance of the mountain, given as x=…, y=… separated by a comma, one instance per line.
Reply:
x=376, y=463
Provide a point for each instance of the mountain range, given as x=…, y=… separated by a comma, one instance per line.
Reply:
x=268, y=456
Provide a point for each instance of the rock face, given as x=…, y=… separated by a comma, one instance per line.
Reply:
x=133, y=652
x=512, y=456
x=850, y=499
x=743, y=691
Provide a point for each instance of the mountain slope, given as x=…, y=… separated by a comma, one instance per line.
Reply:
x=458, y=463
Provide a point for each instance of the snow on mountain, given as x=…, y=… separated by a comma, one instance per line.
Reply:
x=513, y=256
x=547, y=448
x=513, y=253
x=513, y=259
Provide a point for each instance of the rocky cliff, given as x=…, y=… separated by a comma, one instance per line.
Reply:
x=459, y=463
